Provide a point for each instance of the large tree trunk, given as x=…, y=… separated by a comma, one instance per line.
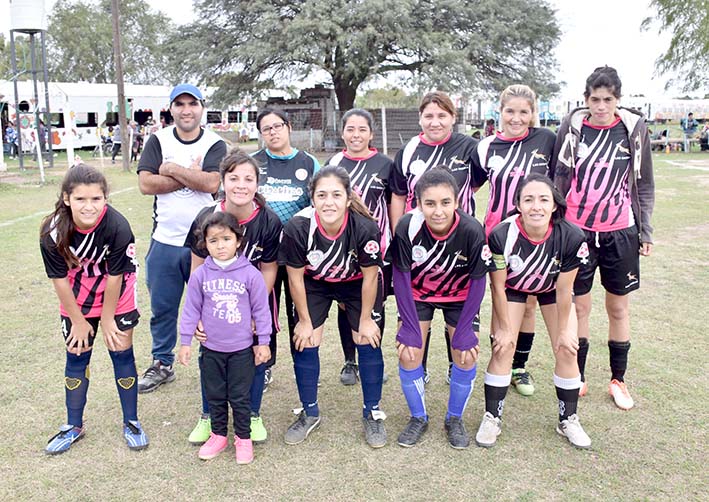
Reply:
x=346, y=92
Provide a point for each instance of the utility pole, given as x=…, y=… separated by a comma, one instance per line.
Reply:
x=118, y=58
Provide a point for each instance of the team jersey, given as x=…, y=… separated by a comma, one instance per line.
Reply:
x=534, y=267
x=332, y=259
x=370, y=179
x=106, y=249
x=418, y=156
x=440, y=267
x=262, y=233
x=173, y=212
x=504, y=162
x=283, y=181
x=599, y=196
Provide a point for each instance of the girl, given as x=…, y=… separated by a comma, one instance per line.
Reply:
x=262, y=234
x=504, y=159
x=440, y=260
x=287, y=172
x=88, y=250
x=369, y=171
x=436, y=145
x=537, y=253
x=226, y=294
x=332, y=252
x=603, y=166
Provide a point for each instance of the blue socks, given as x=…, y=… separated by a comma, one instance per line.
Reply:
x=126, y=382
x=371, y=375
x=257, y=388
x=76, y=385
x=306, y=364
x=462, y=382
x=413, y=388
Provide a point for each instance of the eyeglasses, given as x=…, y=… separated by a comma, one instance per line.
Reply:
x=274, y=128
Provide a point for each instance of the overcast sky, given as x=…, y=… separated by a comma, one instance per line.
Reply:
x=594, y=33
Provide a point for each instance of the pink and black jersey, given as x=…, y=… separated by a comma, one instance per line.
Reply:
x=106, y=249
x=455, y=152
x=370, y=179
x=332, y=259
x=504, y=162
x=262, y=233
x=533, y=267
x=599, y=196
x=440, y=267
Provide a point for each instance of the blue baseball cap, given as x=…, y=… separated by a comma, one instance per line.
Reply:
x=185, y=89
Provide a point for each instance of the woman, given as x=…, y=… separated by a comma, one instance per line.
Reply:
x=504, y=159
x=536, y=253
x=369, y=171
x=240, y=179
x=88, y=250
x=603, y=166
x=332, y=252
x=440, y=260
x=286, y=172
x=436, y=145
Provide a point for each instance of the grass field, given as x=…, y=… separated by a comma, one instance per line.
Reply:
x=654, y=452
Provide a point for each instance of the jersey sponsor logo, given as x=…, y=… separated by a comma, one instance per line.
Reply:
x=540, y=156
x=301, y=174
x=372, y=248
x=281, y=193
x=315, y=257
x=583, y=253
x=418, y=253
x=623, y=149
x=486, y=254
x=417, y=167
x=516, y=263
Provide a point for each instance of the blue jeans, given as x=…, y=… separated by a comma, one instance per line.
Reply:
x=167, y=270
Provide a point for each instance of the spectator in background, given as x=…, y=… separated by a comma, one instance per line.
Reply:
x=689, y=128
x=116, y=142
x=489, y=127
x=11, y=138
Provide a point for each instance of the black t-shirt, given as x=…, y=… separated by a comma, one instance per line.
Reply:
x=534, y=267
x=418, y=156
x=262, y=233
x=370, y=180
x=441, y=267
x=505, y=163
x=332, y=259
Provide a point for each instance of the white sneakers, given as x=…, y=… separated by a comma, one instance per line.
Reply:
x=619, y=392
x=490, y=428
x=571, y=429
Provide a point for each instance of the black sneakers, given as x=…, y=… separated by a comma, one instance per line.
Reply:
x=156, y=375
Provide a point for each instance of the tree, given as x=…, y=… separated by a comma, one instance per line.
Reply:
x=80, y=46
x=389, y=96
x=688, y=53
x=22, y=54
x=456, y=45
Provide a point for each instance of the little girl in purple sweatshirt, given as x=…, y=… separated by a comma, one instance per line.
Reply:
x=228, y=295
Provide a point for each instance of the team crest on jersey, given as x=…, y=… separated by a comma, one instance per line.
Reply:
x=495, y=162
x=583, y=151
x=372, y=248
x=315, y=257
x=583, y=253
x=418, y=253
x=130, y=250
x=417, y=167
x=301, y=174
x=486, y=254
x=516, y=263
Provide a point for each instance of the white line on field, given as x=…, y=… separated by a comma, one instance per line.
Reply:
x=41, y=213
x=686, y=165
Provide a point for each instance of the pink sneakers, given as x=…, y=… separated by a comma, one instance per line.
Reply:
x=244, y=450
x=620, y=395
x=213, y=447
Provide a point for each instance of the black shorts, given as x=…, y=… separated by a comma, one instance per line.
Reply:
x=125, y=321
x=515, y=296
x=320, y=295
x=451, y=312
x=617, y=255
